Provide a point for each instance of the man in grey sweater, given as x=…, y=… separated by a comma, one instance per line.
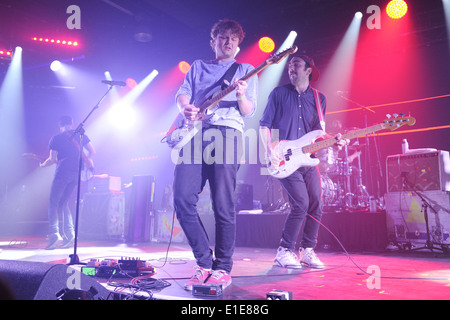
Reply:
x=219, y=152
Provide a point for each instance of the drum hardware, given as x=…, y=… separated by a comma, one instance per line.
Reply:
x=342, y=186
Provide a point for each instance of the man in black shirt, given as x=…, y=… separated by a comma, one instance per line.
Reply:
x=294, y=110
x=65, y=153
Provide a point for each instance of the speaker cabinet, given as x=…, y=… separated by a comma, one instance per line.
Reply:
x=424, y=172
x=102, y=216
x=140, y=207
x=26, y=280
x=405, y=215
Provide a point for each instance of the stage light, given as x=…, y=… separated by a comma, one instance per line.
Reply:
x=396, y=9
x=358, y=15
x=72, y=43
x=266, y=44
x=55, y=65
x=184, y=67
x=5, y=53
x=131, y=83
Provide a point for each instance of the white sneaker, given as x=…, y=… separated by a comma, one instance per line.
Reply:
x=286, y=258
x=54, y=241
x=309, y=258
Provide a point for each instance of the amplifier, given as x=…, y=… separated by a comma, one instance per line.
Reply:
x=102, y=216
x=423, y=171
x=104, y=183
x=405, y=216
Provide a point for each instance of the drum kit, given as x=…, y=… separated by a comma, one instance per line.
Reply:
x=341, y=177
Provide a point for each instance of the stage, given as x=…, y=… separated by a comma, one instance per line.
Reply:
x=387, y=275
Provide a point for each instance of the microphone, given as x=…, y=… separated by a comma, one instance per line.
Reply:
x=115, y=83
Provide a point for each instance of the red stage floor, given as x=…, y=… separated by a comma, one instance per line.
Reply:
x=421, y=275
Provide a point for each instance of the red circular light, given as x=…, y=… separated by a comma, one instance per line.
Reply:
x=396, y=9
x=266, y=44
x=131, y=83
x=184, y=67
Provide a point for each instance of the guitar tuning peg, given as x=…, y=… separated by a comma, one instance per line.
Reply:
x=388, y=116
x=395, y=115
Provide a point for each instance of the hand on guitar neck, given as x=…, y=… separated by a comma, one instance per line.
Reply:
x=340, y=141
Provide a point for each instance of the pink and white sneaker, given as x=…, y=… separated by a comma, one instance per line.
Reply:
x=219, y=277
x=201, y=274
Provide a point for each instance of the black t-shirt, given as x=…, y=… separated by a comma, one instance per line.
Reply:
x=68, y=152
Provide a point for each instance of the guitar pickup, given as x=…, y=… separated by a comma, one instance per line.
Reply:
x=288, y=154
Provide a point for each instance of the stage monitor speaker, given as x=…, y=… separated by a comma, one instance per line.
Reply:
x=26, y=280
x=102, y=216
x=423, y=171
x=405, y=217
x=140, y=206
x=243, y=197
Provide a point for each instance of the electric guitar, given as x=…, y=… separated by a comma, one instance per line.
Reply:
x=87, y=168
x=296, y=153
x=183, y=130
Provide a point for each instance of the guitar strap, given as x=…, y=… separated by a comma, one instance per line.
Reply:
x=319, y=108
x=226, y=79
x=83, y=155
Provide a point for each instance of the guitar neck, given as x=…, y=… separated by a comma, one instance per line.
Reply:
x=314, y=147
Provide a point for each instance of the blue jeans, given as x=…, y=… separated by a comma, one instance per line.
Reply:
x=189, y=180
x=304, y=191
x=60, y=192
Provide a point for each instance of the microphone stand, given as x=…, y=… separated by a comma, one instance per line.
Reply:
x=74, y=257
x=369, y=158
x=425, y=205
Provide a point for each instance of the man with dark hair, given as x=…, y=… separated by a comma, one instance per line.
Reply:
x=294, y=110
x=225, y=126
x=65, y=153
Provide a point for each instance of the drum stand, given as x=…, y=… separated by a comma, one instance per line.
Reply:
x=347, y=172
x=349, y=198
x=361, y=190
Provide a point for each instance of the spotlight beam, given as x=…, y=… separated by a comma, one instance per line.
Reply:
x=12, y=119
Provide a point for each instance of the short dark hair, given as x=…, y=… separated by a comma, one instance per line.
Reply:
x=228, y=24
x=65, y=121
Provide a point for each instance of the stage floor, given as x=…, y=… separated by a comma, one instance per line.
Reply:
x=420, y=275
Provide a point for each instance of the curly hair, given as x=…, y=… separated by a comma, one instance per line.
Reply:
x=227, y=24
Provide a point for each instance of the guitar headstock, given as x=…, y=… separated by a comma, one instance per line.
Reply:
x=396, y=122
x=281, y=55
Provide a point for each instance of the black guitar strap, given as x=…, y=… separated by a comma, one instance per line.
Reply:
x=226, y=79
